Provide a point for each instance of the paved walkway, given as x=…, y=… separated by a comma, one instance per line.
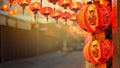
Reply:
x=52, y=60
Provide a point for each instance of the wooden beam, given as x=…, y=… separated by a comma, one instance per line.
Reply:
x=115, y=32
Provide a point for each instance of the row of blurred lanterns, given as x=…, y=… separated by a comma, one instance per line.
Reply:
x=35, y=7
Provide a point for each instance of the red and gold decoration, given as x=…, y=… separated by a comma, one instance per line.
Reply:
x=98, y=52
x=12, y=2
x=94, y=18
x=46, y=11
x=35, y=7
x=4, y=7
x=65, y=15
x=11, y=12
x=56, y=14
x=16, y=11
x=64, y=3
x=75, y=6
x=24, y=3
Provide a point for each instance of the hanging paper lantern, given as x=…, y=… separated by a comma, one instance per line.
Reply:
x=64, y=3
x=98, y=52
x=53, y=1
x=4, y=7
x=10, y=12
x=94, y=17
x=16, y=11
x=75, y=6
x=24, y=3
x=56, y=14
x=73, y=17
x=46, y=11
x=35, y=7
x=65, y=15
x=12, y=2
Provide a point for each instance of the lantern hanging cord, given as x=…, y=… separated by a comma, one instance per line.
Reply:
x=94, y=36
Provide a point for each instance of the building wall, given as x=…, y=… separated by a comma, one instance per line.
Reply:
x=17, y=43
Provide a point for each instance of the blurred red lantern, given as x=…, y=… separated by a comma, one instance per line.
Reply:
x=4, y=7
x=94, y=17
x=35, y=7
x=56, y=14
x=73, y=17
x=64, y=3
x=12, y=2
x=46, y=11
x=10, y=12
x=98, y=52
x=24, y=3
x=65, y=16
x=16, y=11
x=75, y=6
x=53, y=1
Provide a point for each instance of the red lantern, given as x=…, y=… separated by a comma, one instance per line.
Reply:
x=10, y=12
x=98, y=52
x=75, y=6
x=73, y=17
x=64, y=3
x=94, y=17
x=4, y=7
x=35, y=7
x=16, y=11
x=53, y=1
x=46, y=11
x=24, y=3
x=12, y=2
x=65, y=16
x=56, y=14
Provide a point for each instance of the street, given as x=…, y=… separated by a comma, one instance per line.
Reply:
x=52, y=60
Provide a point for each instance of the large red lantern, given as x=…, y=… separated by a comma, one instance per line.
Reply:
x=94, y=17
x=64, y=3
x=98, y=52
x=12, y=2
x=24, y=3
x=53, y=1
x=35, y=7
x=46, y=11
x=75, y=6
x=56, y=14
x=65, y=15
